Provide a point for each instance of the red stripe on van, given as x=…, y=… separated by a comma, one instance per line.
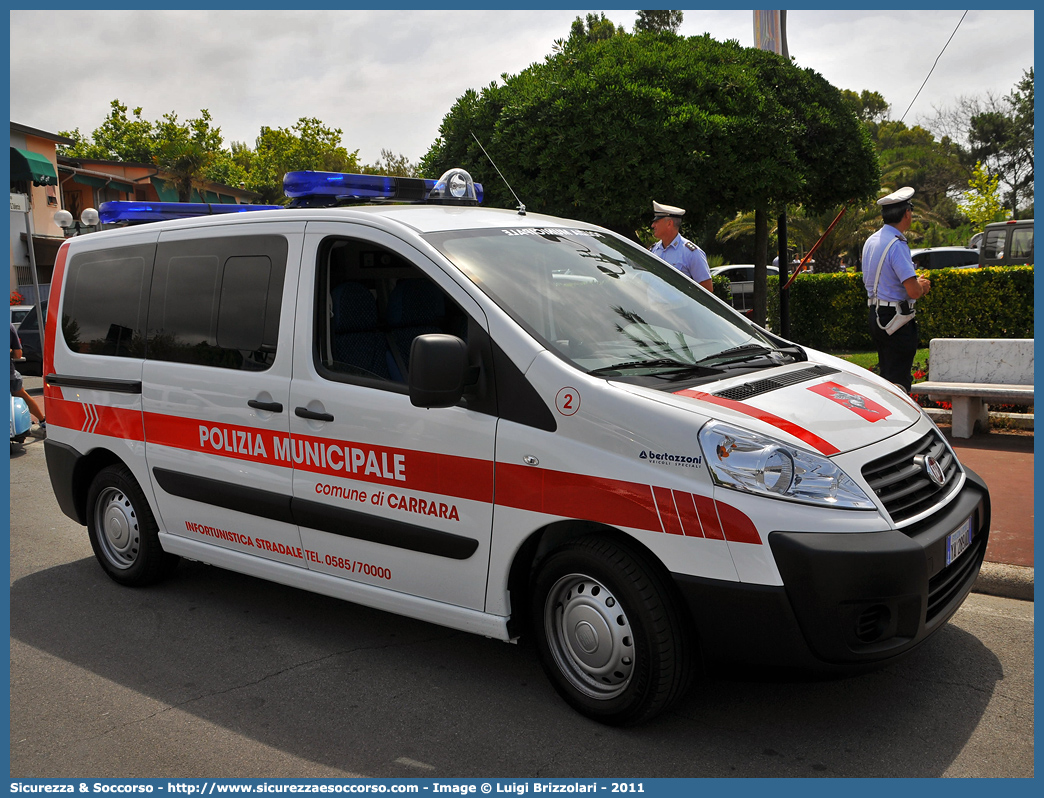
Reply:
x=447, y=475
x=737, y=526
x=607, y=501
x=51, y=327
x=708, y=517
x=668, y=512
x=790, y=427
x=115, y=422
x=690, y=519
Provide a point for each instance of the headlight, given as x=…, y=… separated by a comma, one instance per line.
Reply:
x=743, y=460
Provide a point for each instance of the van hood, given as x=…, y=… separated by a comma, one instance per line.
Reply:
x=815, y=407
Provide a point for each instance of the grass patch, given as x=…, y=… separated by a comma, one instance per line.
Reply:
x=868, y=360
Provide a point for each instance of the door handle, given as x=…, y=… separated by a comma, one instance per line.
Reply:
x=271, y=407
x=304, y=412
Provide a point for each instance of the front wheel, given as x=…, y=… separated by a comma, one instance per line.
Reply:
x=609, y=635
x=123, y=531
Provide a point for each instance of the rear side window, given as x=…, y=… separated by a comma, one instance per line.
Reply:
x=1022, y=242
x=102, y=313
x=215, y=301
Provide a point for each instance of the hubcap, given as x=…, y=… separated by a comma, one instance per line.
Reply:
x=590, y=636
x=117, y=525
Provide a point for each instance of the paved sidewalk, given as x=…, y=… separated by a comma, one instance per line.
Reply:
x=1005, y=461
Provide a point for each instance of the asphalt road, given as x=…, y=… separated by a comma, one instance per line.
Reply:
x=213, y=674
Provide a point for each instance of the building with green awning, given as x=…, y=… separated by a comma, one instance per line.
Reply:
x=31, y=167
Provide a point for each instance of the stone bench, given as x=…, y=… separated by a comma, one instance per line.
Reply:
x=972, y=372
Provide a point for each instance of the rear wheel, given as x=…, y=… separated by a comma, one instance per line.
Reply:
x=123, y=531
x=609, y=635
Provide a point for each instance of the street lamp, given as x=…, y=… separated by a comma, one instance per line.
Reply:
x=87, y=224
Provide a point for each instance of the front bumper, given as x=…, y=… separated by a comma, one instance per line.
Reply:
x=847, y=599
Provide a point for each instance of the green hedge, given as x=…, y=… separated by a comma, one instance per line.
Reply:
x=828, y=311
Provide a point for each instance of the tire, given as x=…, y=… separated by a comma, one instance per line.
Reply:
x=609, y=635
x=123, y=531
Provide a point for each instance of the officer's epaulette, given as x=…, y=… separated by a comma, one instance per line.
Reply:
x=691, y=246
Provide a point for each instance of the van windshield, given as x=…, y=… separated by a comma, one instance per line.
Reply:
x=606, y=306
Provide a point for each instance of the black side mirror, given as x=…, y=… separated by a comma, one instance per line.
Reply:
x=438, y=370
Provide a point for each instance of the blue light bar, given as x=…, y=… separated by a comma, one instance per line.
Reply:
x=138, y=212
x=312, y=189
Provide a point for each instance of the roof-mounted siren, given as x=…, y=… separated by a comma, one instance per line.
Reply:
x=329, y=189
x=130, y=212
x=455, y=187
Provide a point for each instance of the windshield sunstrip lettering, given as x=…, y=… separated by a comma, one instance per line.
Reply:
x=552, y=231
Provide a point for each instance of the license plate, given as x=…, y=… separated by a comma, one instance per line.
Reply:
x=958, y=540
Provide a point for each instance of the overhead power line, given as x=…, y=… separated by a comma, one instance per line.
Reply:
x=930, y=71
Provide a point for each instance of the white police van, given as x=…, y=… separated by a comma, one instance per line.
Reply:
x=499, y=422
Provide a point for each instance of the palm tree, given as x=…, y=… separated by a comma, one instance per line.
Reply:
x=805, y=229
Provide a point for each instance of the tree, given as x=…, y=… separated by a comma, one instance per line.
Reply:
x=912, y=157
x=1003, y=139
x=868, y=106
x=601, y=128
x=119, y=138
x=658, y=21
x=193, y=152
x=980, y=203
x=392, y=165
x=308, y=145
x=998, y=131
x=186, y=150
x=596, y=28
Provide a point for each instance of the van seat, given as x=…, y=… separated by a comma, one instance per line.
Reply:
x=416, y=306
x=357, y=342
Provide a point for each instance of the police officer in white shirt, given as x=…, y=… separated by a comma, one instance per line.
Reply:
x=892, y=286
x=672, y=247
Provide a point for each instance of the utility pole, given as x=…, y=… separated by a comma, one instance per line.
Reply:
x=770, y=33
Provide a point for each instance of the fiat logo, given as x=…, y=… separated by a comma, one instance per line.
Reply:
x=932, y=469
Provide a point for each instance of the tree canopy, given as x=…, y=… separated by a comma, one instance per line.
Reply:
x=997, y=132
x=602, y=126
x=193, y=151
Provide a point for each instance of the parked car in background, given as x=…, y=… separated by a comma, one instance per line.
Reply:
x=741, y=281
x=1007, y=243
x=29, y=335
x=945, y=258
x=18, y=313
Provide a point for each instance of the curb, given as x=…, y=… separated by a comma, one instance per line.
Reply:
x=1006, y=581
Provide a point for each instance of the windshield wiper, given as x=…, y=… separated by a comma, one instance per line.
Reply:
x=738, y=354
x=662, y=362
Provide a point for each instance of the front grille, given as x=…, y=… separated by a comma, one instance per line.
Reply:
x=903, y=486
x=740, y=392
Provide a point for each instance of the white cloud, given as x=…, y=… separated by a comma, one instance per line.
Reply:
x=387, y=78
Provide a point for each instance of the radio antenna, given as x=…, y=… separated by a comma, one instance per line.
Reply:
x=521, y=206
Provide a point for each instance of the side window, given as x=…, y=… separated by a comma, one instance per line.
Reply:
x=105, y=291
x=993, y=244
x=371, y=304
x=1022, y=242
x=215, y=301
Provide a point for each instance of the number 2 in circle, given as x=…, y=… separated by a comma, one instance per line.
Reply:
x=568, y=401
